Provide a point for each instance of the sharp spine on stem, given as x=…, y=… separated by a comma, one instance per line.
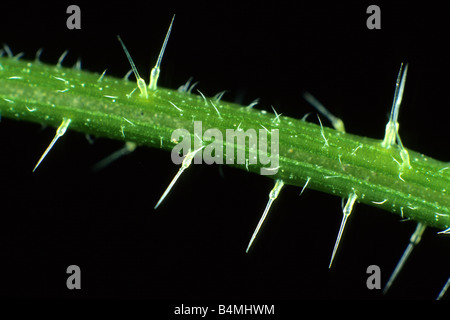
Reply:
x=61, y=58
x=413, y=241
x=38, y=55
x=77, y=65
x=304, y=186
x=59, y=133
x=140, y=82
x=219, y=96
x=253, y=103
x=337, y=123
x=277, y=115
x=444, y=289
x=184, y=165
x=8, y=51
x=101, y=76
x=127, y=148
x=392, y=136
x=391, y=133
x=346, y=214
x=323, y=133
x=272, y=196
x=154, y=74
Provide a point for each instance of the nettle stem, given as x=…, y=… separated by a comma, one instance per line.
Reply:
x=334, y=162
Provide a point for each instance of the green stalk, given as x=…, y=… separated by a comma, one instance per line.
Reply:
x=334, y=162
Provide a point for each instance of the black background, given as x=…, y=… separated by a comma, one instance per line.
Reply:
x=193, y=246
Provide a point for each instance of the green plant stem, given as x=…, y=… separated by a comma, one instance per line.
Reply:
x=334, y=162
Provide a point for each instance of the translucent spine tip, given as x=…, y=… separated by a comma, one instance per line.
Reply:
x=413, y=241
x=346, y=214
x=184, y=165
x=272, y=196
x=59, y=133
x=154, y=74
x=444, y=290
x=140, y=82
